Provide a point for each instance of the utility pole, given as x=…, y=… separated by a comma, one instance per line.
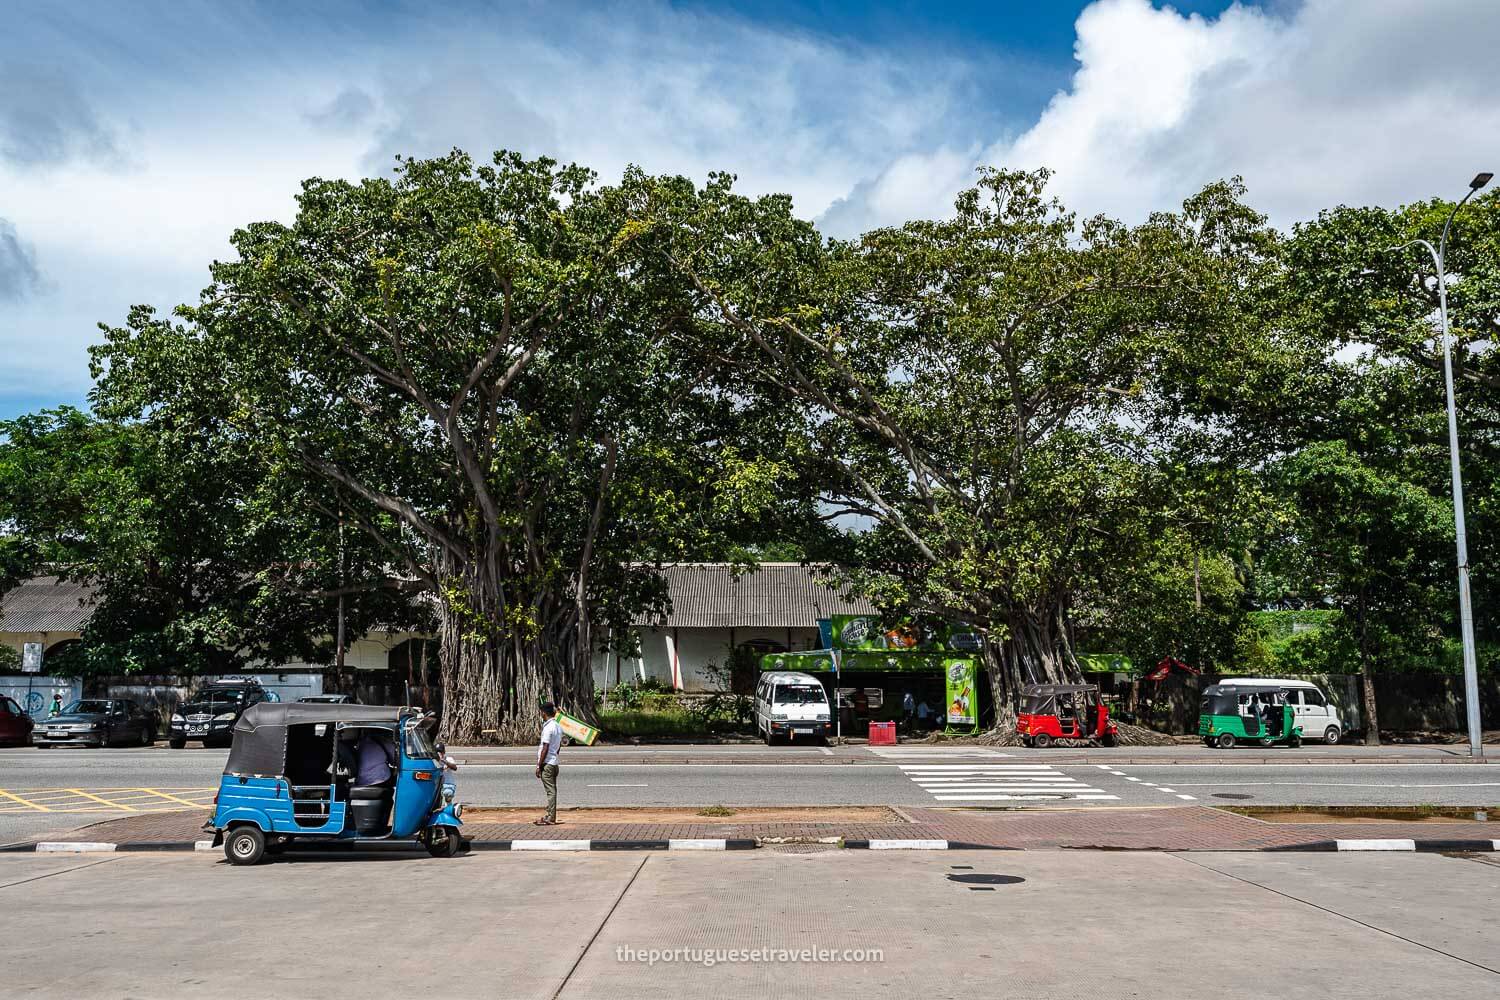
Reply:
x=1465, y=606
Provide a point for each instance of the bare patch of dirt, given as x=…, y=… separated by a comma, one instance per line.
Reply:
x=689, y=814
x=1130, y=736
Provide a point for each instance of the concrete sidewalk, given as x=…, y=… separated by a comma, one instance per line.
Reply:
x=1186, y=828
x=620, y=927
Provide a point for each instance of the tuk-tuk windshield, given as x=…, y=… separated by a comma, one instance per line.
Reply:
x=1221, y=703
x=419, y=742
x=1037, y=704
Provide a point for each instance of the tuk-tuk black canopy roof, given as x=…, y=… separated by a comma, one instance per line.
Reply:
x=1213, y=689
x=259, y=746
x=1031, y=690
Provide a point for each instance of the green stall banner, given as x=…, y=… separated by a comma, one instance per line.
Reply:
x=865, y=632
x=963, y=697
x=820, y=661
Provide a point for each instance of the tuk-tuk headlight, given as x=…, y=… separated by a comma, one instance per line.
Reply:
x=449, y=793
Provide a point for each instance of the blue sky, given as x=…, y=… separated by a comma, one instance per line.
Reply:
x=134, y=138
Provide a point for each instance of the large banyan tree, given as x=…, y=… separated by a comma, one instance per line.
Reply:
x=491, y=388
x=1008, y=405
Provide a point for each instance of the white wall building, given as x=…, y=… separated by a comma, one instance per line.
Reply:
x=714, y=609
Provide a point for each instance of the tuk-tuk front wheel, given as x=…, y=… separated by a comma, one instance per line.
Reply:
x=442, y=842
x=1294, y=742
x=1226, y=741
x=245, y=845
x=1111, y=740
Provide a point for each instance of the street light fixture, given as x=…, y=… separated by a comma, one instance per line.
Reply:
x=1465, y=606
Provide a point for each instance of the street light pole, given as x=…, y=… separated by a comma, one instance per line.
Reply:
x=1465, y=605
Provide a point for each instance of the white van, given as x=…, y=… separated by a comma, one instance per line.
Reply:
x=1318, y=717
x=791, y=704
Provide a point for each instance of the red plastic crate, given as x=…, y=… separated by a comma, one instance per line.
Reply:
x=882, y=734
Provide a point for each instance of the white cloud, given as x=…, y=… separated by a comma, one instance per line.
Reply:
x=248, y=102
x=1358, y=101
x=1337, y=101
x=1346, y=101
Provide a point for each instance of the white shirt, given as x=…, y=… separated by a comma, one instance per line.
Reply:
x=551, y=741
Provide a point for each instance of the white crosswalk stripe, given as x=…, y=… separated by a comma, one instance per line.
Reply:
x=941, y=753
x=1000, y=783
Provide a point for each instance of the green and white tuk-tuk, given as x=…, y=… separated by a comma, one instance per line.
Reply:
x=1231, y=714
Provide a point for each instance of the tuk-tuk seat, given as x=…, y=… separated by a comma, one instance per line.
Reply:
x=370, y=807
x=369, y=792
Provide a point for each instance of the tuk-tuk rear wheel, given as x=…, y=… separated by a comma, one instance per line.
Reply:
x=245, y=845
x=1041, y=740
x=1226, y=741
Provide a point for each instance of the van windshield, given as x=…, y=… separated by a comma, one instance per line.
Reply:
x=800, y=694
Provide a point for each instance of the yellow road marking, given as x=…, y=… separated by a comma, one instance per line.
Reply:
x=166, y=796
x=87, y=795
x=23, y=802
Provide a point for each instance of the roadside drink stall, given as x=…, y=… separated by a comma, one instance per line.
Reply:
x=869, y=670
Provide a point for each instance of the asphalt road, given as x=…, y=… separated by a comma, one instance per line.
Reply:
x=754, y=924
x=49, y=791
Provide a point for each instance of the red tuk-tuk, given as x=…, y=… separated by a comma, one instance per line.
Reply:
x=1064, y=712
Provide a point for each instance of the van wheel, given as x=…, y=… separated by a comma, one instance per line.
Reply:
x=770, y=737
x=1331, y=735
x=1226, y=741
x=245, y=845
x=1041, y=741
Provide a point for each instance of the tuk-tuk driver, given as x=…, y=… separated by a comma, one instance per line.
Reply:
x=377, y=758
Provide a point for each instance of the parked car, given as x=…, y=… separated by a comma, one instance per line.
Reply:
x=209, y=716
x=15, y=725
x=328, y=699
x=97, y=722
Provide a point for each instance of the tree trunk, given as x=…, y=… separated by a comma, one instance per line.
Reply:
x=495, y=675
x=1037, y=649
x=1367, y=682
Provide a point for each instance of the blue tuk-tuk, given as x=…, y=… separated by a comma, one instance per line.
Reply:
x=308, y=772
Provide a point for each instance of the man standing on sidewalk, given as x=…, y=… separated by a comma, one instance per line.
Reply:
x=546, y=760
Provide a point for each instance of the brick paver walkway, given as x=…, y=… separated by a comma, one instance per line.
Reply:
x=1188, y=828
